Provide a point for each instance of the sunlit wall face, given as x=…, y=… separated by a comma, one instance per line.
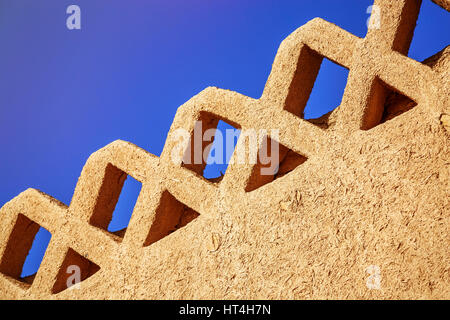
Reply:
x=66, y=93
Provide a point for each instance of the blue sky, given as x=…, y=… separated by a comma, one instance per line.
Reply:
x=65, y=94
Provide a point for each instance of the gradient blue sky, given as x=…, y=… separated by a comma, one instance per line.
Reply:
x=64, y=94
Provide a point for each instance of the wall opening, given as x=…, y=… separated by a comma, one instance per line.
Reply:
x=25, y=250
x=317, y=88
x=271, y=166
x=170, y=216
x=74, y=269
x=429, y=37
x=211, y=146
x=384, y=104
x=116, y=201
x=125, y=205
x=221, y=151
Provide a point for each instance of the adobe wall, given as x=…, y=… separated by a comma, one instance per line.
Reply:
x=372, y=189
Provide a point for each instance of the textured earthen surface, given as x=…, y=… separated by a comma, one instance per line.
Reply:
x=367, y=184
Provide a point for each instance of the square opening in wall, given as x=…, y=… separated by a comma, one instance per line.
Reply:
x=211, y=146
x=25, y=250
x=316, y=88
x=116, y=201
